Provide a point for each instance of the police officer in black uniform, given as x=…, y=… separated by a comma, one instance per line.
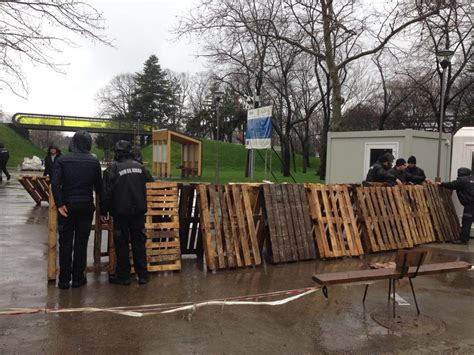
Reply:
x=380, y=171
x=125, y=199
x=464, y=186
x=4, y=156
x=401, y=173
x=413, y=169
x=75, y=175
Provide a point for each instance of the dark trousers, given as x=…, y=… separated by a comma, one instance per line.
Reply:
x=130, y=228
x=74, y=233
x=467, y=217
x=3, y=168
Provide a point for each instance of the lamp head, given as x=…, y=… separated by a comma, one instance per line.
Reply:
x=444, y=57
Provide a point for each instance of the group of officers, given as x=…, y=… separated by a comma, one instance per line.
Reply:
x=406, y=172
x=122, y=194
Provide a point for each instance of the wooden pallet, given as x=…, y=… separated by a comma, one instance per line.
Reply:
x=335, y=227
x=189, y=231
x=385, y=219
x=289, y=224
x=229, y=226
x=442, y=212
x=36, y=186
x=418, y=207
x=162, y=227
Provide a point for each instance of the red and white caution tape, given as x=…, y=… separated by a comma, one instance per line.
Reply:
x=165, y=308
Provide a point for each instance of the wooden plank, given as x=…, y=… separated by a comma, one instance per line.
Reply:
x=320, y=232
x=340, y=245
x=285, y=211
x=355, y=231
x=374, y=217
x=330, y=224
x=230, y=253
x=235, y=240
x=251, y=225
x=343, y=210
x=217, y=225
x=277, y=252
x=299, y=225
x=241, y=225
x=206, y=227
x=304, y=212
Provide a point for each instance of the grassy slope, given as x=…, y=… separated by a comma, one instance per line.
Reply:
x=232, y=164
x=18, y=146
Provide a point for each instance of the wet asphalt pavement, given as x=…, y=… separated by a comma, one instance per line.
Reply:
x=311, y=324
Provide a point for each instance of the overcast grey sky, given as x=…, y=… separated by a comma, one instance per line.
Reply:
x=139, y=29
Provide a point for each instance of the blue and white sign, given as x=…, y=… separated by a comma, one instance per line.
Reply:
x=259, y=128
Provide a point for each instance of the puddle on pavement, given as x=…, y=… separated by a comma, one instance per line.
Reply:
x=408, y=322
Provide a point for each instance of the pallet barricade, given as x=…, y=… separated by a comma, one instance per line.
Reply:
x=230, y=229
x=335, y=226
x=162, y=227
x=290, y=236
x=37, y=186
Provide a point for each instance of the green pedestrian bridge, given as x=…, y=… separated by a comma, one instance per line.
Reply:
x=75, y=123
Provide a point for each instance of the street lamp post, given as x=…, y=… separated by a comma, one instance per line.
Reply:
x=217, y=99
x=444, y=57
x=138, y=115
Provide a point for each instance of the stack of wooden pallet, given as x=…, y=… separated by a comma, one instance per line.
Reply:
x=387, y=222
x=443, y=214
x=417, y=205
x=230, y=225
x=162, y=227
x=36, y=186
x=289, y=225
x=335, y=226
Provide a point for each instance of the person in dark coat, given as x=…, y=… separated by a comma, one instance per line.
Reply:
x=414, y=170
x=124, y=199
x=464, y=186
x=400, y=172
x=380, y=171
x=75, y=176
x=53, y=153
x=4, y=156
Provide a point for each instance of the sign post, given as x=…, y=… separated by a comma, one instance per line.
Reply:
x=259, y=133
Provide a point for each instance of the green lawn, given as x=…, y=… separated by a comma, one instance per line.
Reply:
x=18, y=146
x=232, y=159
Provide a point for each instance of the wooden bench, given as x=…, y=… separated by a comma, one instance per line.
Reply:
x=408, y=264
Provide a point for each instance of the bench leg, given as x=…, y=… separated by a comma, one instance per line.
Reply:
x=389, y=289
x=325, y=292
x=414, y=296
x=393, y=288
x=365, y=293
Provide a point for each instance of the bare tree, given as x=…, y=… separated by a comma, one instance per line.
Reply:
x=115, y=99
x=29, y=31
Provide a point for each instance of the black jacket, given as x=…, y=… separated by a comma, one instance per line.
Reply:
x=417, y=172
x=125, y=188
x=76, y=173
x=464, y=186
x=4, y=155
x=406, y=177
x=49, y=162
x=379, y=173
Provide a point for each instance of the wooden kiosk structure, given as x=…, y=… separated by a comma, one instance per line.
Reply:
x=191, y=153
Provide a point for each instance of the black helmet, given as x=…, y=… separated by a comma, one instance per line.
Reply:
x=386, y=157
x=123, y=146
